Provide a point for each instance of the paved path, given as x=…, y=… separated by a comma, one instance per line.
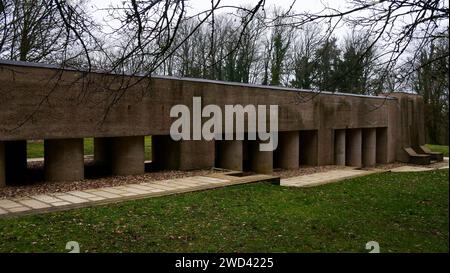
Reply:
x=324, y=177
x=76, y=199
x=415, y=168
x=342, y=174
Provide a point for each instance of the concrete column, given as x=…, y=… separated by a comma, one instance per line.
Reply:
x=382, y=145
x=369, y=151
x=308, y=147
x=2, y=165
x=339, y=147
x=197, y=154
x=323, y=148
x=127, y=155
x=183, y=154
x=260, y=162
x=63, y=159
x=15, y=161
x=229, y=154
x=288, y=150
x=353, y=145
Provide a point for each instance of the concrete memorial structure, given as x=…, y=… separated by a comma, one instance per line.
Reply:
x=61, y=107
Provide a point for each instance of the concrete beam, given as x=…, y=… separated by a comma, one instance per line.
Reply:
x=339, y=147
x=369, y=150
x=287, y=153
x=15, y=161
x=382, y=146
x=127, y=155
x=260, y=162
x=229, y=154
x=63, y=159
x=353, y=145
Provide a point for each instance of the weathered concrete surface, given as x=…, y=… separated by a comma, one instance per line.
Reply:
x=353, y=144
x=64, y=159
x=64, y=103
x=182, y=155
x=260, y=161
x=287, y=154
x=120, y=155
x=339, y=147
x=49, y=103
x=410, y=124
x=369, y=151
x=127, y=155
x=229, y=154
x=308, y=147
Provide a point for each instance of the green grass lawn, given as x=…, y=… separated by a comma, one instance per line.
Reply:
x=439, y=148
x=36, y=148
x=403, y=212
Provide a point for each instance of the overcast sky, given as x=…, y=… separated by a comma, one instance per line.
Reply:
x=199, y=5
x=195, y=6
x=98, y=8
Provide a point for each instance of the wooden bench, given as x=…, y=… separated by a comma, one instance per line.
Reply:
x=415, y=158
x=434, y=155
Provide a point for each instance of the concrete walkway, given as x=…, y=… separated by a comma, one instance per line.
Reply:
x=413, y=168
x=316, y=179
x=348, y=172
x=76, y=199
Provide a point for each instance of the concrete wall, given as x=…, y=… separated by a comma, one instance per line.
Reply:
x=410, y=126
x=47, y=103
x=51, y=104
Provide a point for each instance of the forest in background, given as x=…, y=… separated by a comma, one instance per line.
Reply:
x=388, y=46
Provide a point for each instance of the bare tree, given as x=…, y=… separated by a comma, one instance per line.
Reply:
x=46, y=31
x=393, y=25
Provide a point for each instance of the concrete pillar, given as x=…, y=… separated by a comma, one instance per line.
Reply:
x=369, y=151
x=63, y=159
x=382, y=146
x=339, y=147
x=324, y=147
x=2, y=165
x=127, y=155
x=229, y=154
x=353, y=145
x=197, y=154
x=183, y=154
x=260, y=162
x=288, y=150
x=308, y=147
x=15, y=161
